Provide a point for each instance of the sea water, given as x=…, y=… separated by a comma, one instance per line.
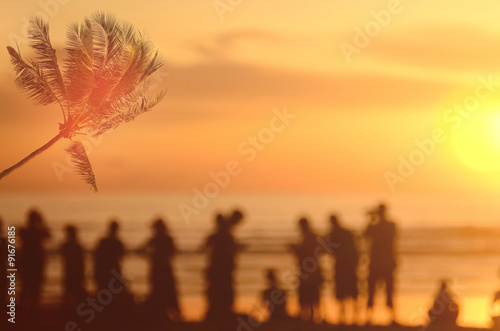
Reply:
x=437, y=239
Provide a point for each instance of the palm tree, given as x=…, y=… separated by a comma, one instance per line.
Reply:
x=104, y=81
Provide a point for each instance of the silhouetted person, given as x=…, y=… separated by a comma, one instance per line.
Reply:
x=108, y=256
x=72, y=255
x=275, y=299
x=346, y=264
x=120, y=312
x=3, y=266
x=310, y=277
x=222, y=249
x=32, y=260
x=163, y=301
x=382, y=234
x=444, y=311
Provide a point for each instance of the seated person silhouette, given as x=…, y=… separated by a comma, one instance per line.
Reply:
x=444, y=311
x=274, y=298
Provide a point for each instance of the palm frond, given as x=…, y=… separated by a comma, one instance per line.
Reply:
x=130, y=60
x=38, y=33
x=99, y=44
x=153, y=65
x=114, y=37
x=78, y=67
x=144, y=104
x=138, y=62
x=81, y=162
x=108, y=49
x=116, y=104
x=30, y=78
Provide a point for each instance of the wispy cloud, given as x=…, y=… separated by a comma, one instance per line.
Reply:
x=222, y=45
x=459, y=48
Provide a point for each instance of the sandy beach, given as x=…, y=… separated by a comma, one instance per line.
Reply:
x=51, y=319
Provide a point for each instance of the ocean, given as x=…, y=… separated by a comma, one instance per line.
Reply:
x=453, y=239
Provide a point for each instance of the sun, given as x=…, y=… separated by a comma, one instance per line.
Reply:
x=476, y=141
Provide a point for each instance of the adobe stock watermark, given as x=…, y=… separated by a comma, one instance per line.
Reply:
x=157, y=80
x=426, y=147
x=372, y=29
x=223, y=6
x=89, y=308
x=48, y=9
x=291, y=278
x=249, y=148
x=439, y=306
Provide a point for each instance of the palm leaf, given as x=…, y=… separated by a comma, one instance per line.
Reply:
x=137, y=62
x=153, y=66
x=30, y=78
x=38, y=33
x=81, y=162
x=144, y=104
x=78, y=67
x=114, y=37
x=129, y=61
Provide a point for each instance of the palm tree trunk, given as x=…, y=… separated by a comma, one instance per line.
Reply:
x=32, y=155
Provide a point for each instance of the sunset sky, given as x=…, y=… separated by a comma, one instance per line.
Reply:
x=229, y=70
x=360, y=99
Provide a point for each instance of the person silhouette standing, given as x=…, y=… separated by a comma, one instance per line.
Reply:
x=346, y=265
x=382, y=234
x=163, y=302
x=108, y=256
x=32, y=260
x=222, y=249
x=310, y=277
x=73, y=268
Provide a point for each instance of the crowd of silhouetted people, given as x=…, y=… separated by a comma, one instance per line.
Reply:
x=162, y=305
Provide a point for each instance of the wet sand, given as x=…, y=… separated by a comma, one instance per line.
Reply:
x=52, y=320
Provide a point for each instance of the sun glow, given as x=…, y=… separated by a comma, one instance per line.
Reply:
x=476, y=141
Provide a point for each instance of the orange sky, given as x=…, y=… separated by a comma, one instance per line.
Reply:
x=352, y=119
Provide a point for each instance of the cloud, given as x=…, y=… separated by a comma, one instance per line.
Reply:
x=229, y=39
x=458, y=48
x=227, y=82
x=222, y=45
x=225, y=89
